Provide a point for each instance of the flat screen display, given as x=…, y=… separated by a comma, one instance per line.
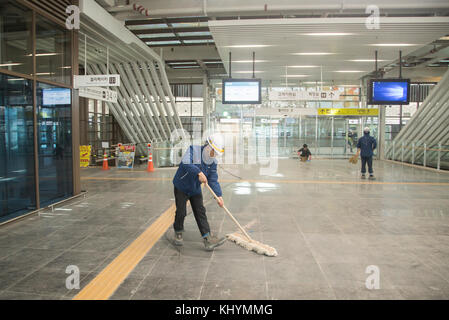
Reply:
x=242, y=91
x=56, y=96
x=389, y=91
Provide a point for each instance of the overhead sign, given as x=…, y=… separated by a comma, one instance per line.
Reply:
x=85, y=152
x=99, y=80
x=98, y=94
x=348, y=112
x=290, y=95
x=286, y=112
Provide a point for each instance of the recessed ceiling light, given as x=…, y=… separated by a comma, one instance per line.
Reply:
x=249, y=46
x=312, y=53
x=314, y=82
x=246, y=61
x=392, y=44
x=327, y=34
x=44, y=54
x=303, y=66
x=297, y=75
x=366, y=60
x=349, y=71
x=10, y=64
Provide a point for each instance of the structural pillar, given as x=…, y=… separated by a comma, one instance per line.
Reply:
x=381, y=133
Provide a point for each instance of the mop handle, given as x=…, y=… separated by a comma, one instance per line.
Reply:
x=230, y=214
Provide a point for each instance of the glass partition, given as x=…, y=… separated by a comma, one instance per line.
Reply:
x=17, y=171
x=15, y=37
x=54, y=143
x=53, y=51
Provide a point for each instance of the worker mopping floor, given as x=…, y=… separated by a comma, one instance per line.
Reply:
x=199, y=166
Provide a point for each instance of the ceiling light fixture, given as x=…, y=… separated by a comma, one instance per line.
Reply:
x=349, y=71
x=10, y=64
x=366, y=60
x=312, y=53
x=248, y=71
x=303, y=66
x=246, y=61
x=392, y=44
x=325, y=34
x=249, y=46
x=297, y=75
x=44, y=54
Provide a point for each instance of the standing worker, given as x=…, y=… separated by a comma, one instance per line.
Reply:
x=199, y=165
x=304, y=153
x=365, y=147
x=350, y=139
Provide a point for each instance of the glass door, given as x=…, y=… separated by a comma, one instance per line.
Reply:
x=339, y=139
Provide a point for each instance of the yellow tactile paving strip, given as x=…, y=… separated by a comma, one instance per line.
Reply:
x=105, y=284
x=284, y=181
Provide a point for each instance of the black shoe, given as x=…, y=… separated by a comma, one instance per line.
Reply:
x=211, y=242
x=371, y=177
x=178, y=239
x=363, y=176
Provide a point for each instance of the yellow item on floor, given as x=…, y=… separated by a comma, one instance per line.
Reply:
x=354, y=159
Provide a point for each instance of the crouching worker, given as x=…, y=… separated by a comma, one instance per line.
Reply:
x=199, y=165
x=305, y=154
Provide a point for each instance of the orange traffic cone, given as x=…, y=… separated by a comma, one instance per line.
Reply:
x=150, y=160
x=105, y=162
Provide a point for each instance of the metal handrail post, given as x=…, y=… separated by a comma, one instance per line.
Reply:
x=439, y=156
x=425, y=155
x=413, y=153
x=394, y=150
x=402, y=151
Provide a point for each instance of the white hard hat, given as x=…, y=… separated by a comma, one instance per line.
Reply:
x=366, y=129
x=216, y=141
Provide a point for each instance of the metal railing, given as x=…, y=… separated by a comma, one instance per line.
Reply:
x=435, y=155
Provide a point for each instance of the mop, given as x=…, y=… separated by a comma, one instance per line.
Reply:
x=245, y=240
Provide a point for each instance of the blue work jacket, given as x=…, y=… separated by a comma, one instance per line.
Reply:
x=367, y=145
x=186, y=178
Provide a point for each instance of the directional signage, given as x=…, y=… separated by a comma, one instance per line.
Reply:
x=288, y=95
x=100, y=80
x=348, y=112
x=98, y=94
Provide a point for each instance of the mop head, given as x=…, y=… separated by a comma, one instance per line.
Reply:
x=253, y=245
x=353, y=160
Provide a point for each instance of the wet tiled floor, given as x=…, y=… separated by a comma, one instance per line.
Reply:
x=326, y=232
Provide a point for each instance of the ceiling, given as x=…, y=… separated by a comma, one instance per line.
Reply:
x=278, y=43
x=194, y=36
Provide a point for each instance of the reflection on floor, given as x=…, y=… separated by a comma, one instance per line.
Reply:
x=327, y=233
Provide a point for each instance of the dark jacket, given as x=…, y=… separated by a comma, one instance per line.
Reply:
x=304, y=152
x=367, y=145
x=186, y=178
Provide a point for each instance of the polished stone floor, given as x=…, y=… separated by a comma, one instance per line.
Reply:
x=327, y=224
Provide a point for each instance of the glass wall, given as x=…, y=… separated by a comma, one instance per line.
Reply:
x=36, y=161
x=54, y=143
x=53, y=51
x=16, y=41
x=327, y=136
x=100, y=127
x=17, y=171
